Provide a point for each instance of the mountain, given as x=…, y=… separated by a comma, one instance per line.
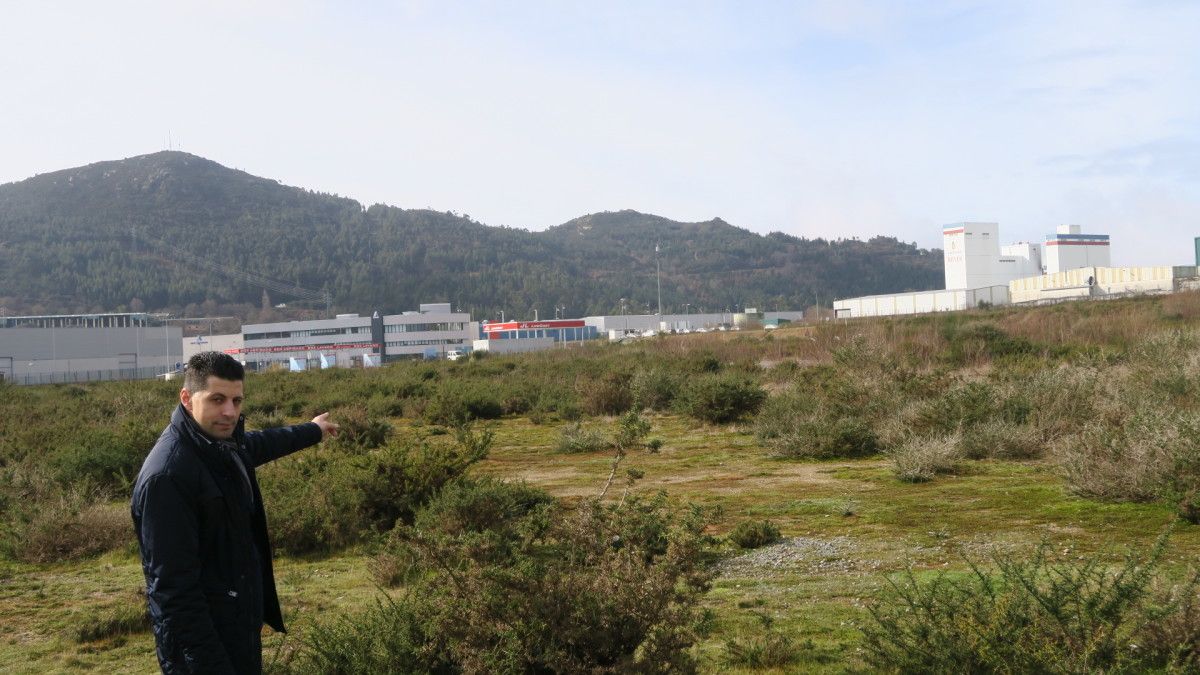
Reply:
x=182, y=233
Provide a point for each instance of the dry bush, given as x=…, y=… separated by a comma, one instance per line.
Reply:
x=74, y=526
x=1153, y=454
x=1062, y=400
x=1182, y=306
x=1000, y=439
x=574, y=438
x=920, y=459
x=1110, y=323
x=610, y=395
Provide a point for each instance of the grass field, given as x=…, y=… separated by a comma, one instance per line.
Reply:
x=849, y=524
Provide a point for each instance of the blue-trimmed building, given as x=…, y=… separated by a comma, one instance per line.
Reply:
x=1069, y=249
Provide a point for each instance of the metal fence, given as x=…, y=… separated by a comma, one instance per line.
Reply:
x=145, y=373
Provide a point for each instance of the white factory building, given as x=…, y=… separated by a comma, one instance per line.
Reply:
x=350, y=340
x=619, y=325
x=980, y=272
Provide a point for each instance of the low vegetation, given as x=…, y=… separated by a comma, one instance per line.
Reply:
x=754, y=533
x=500, y=515
x=502, y=579
x=1036, y=614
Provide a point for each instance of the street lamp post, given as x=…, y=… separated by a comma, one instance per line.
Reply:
x=658, y=280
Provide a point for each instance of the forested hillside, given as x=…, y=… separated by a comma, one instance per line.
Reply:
x=170, y=230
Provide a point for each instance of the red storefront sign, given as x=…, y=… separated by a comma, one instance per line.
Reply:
x=527, y=325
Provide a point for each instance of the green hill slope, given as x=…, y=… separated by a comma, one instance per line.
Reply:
x=147, y=232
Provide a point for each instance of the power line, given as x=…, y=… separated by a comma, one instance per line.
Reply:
x=257, y=280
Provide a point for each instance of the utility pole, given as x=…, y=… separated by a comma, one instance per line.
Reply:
x=658, y=278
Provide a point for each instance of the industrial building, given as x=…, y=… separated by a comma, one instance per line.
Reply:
x=616, y=326
x=980, y=272
x=557, y=330
x=920, y=302
x=87, y=347
x=230, y=343
x=973, y=257
x=350, y=340
x=1099, y=282
x=1069, y=249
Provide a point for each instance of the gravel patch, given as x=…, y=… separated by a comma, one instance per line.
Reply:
x=797, y=554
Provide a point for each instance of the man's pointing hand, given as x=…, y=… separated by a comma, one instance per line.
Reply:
x=327, y=428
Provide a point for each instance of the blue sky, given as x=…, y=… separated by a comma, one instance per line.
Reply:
x=832, y=119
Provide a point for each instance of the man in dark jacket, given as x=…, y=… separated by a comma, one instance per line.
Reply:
x=201, y=525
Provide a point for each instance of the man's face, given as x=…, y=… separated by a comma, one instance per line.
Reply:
x=217, y=408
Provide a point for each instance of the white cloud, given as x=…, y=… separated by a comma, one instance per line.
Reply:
x=823, y=118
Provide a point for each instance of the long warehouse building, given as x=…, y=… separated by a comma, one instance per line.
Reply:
x=46, y=349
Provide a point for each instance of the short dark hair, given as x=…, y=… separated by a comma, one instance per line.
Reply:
x=204, y=364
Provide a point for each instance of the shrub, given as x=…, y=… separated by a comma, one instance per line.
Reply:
x=754, y=533
x=610, y=395
x=460, y=403
x=76, y=523
x=393, y=567
x=584, y=591
x=720, y=399
x=569, y=411
x=768, y=649
x=323, y=499
x=824, y=437
x=921, y=458
x=574, y=438
x=357, y=430
x=265, y=419
x=702, y=362
x=517, y=403
x=1001, y=440
x=477, y=505
x=1151, y=454
x=631, y=430
x=1033, y=614
x=105, y=457
x=958, y=408
x=983, y=341
x=796, y=425
x=654, y=389
x=384, y=405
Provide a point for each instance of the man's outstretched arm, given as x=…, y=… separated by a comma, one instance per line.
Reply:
x=270, y=444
